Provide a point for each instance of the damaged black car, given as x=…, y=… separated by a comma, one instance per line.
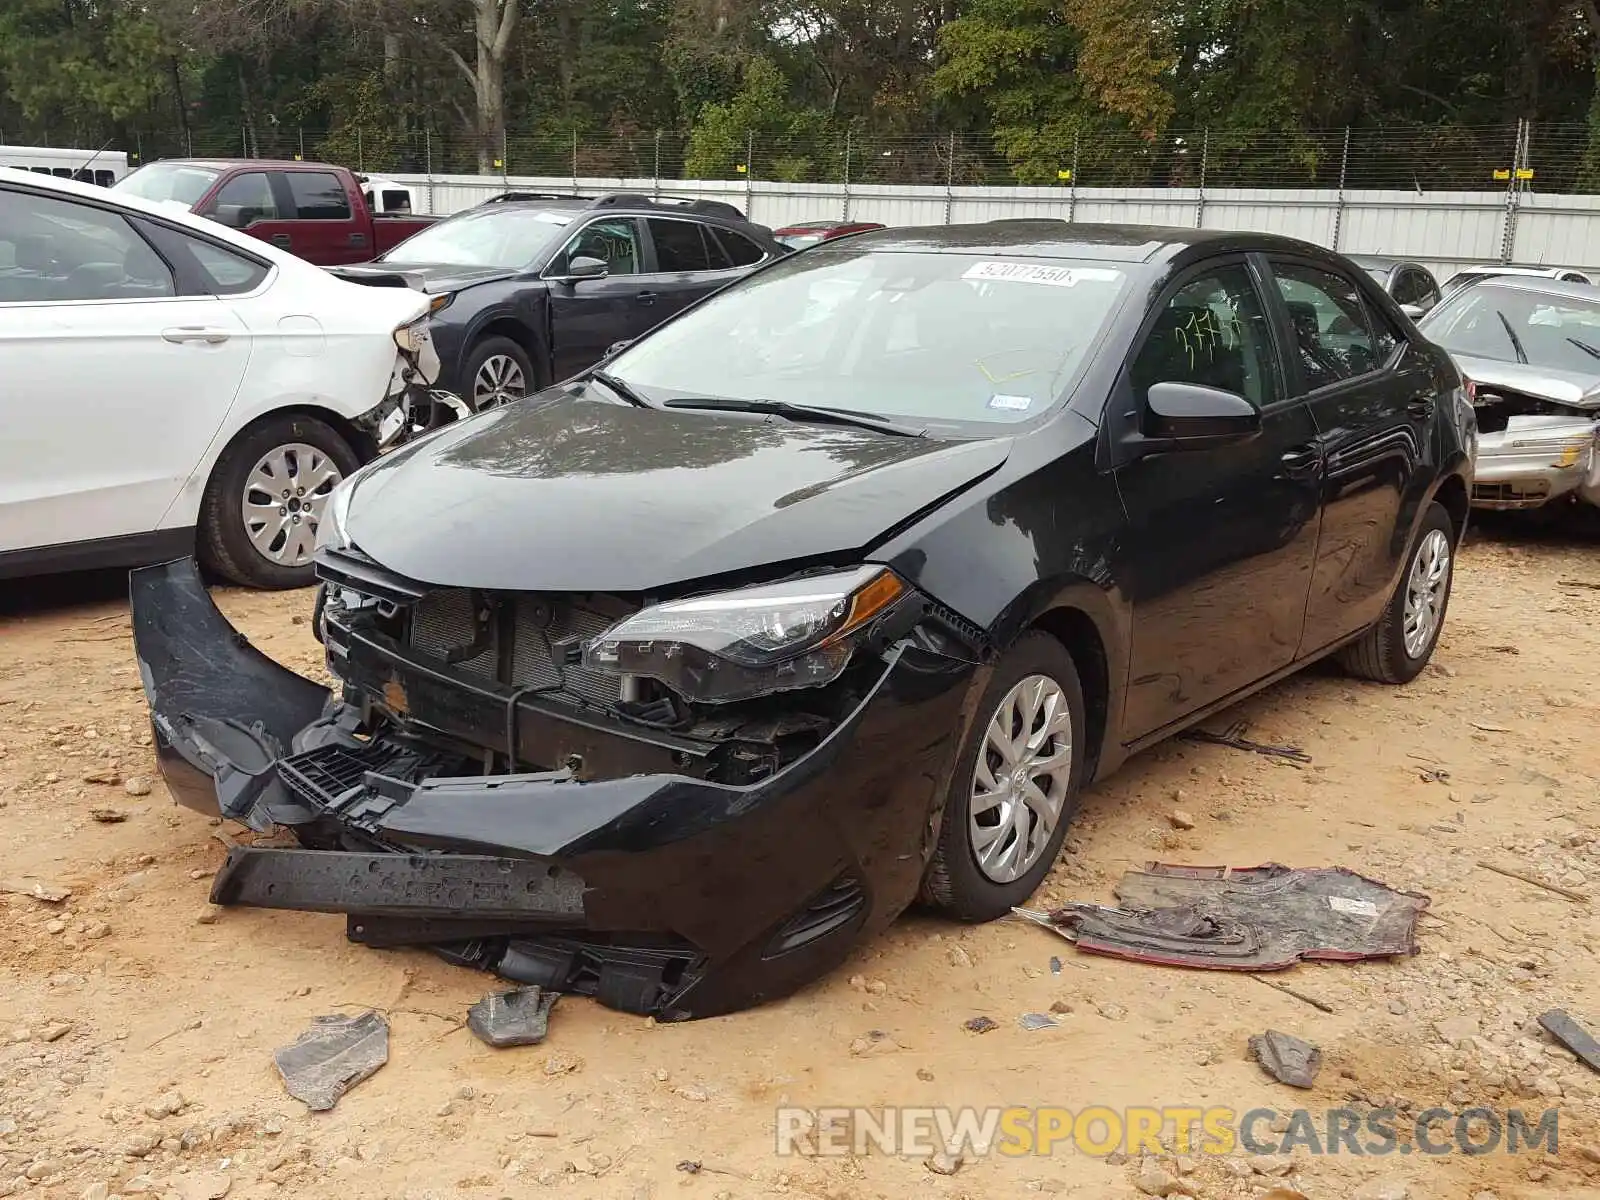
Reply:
x=672, y=683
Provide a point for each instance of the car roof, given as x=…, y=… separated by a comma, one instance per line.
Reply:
x=1539, y=285
x=1528, y=272
x=1051, y=237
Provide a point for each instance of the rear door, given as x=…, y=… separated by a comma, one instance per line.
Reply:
x=690, y=262
x=116, y=374
x=588, y=315
x=1372, y=402
x=331, y=224
x=1221, y=542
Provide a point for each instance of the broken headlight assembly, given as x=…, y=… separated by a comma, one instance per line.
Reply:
x=330, y=529
x=738, y=645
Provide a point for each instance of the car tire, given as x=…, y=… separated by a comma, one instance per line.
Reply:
x=962, y=880
x=497, y=359
x=1393, y=650
x=294, y=446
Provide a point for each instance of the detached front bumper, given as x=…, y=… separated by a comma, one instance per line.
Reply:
x=1535, y=460
x=655, y=891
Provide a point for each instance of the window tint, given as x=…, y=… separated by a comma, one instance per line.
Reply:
x=679, y=246
x=744, y=252
x=1212, y=332
x=715, y=254
x=54, y=249
x=243, y=199
x=318, y=196
x=1331, y=336
x=1411, y=287
x=614, y=242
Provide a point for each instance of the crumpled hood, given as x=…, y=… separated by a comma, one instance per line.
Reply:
x=581, y=495
x=431, y=278
x=1578, y=389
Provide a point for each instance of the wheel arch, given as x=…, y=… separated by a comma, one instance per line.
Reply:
x=513, y=328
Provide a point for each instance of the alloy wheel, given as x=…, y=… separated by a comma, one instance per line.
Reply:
x=500, y=380
x=1426, y=589
x=284, y=497
x=1021, y=779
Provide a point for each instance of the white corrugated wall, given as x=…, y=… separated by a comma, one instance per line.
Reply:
x=1445, y=230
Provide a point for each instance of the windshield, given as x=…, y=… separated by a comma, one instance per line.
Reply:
x=931, y=339
x=510, y=238
x=181, y=182
x=1513, y=324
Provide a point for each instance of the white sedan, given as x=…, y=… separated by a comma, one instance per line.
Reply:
x=169, y=386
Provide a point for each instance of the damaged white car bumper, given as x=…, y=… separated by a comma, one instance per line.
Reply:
x=1537, y=459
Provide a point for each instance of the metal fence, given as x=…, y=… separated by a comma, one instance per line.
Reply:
x=1557, y=158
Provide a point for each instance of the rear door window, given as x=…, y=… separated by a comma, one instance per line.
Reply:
x=318, y=196
x=679, y=246
x=741, y=249
x=1333, y=339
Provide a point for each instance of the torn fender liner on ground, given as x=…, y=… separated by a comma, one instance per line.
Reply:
x=1243, y=918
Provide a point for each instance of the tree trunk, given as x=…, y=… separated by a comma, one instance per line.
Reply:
x=496, y=22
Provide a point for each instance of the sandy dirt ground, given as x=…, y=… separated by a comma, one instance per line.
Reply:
x=137, y=1024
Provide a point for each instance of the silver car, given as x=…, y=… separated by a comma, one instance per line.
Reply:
x=1530, y=349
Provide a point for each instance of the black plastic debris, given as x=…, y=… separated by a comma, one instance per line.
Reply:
x=980, y=1025
x=331, y=1057
x=1036, y=1021
x=1242, y=918
x=1286, y=1058
x=516, y=1018
x=1573, y=1036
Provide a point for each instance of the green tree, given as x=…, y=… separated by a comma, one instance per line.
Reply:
x=789, y=138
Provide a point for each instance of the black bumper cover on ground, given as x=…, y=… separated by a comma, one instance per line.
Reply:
x=657, y=893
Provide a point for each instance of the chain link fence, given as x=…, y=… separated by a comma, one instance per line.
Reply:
x=1543, y=157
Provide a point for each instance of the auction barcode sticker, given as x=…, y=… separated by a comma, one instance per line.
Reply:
x=1038, y=273
x=1356, y=908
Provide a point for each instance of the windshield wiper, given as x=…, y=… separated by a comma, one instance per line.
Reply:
x=1516, y=342
x=798, y=412
x=1585, y=347
x=624, y=390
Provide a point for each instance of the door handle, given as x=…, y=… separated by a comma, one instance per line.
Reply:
x=196, y=333
x=358, y=239
x=281, y=240
x=646, y=297
x=1302, y=461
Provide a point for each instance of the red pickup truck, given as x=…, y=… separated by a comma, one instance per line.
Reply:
x=318, y=211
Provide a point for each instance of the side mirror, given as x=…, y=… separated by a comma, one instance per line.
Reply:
x=615, y=349
x=586, y=268
x=1191, y=416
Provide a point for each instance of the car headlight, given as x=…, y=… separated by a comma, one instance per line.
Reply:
x=751, y=642
x=331, y=534
x=411, y=338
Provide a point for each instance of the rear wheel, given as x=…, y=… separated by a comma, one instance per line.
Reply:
x=265, y=499
x=1015, y=787
x=498, y=371
x=1397, y=648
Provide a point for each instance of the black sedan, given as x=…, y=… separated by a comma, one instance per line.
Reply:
x=672, y=683
x=531, y=289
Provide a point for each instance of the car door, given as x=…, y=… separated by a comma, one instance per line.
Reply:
x=689, y=263
x=329, y=221
x=1372, y=402
x=115, y=380
x=1221, y=541
x=249, y=202
x=588, y=315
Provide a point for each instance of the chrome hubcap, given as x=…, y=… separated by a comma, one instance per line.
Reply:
x=499, y=381
x=1426, y=589
x=1019, y=786
x=283, y=501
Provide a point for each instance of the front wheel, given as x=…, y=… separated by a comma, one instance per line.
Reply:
x=1397, y=648
x=1015, y=787
x=498, y=371
x=265, y=499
